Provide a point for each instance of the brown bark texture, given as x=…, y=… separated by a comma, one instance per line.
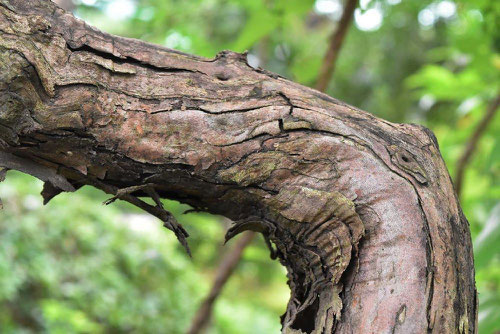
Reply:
x=361, y=211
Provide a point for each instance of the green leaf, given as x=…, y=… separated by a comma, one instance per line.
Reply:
x=487, y=242
x=259, y=24
x=62, y=319
x=489, y=317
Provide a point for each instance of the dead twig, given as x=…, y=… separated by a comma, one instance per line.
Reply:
x=471, y=146
x=158, y=211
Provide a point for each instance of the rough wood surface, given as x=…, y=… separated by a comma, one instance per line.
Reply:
x=361, y=211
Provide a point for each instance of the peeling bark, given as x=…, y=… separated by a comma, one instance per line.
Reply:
x=361, y=211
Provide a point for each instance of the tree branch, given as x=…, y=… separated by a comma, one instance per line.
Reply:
x=361, y=211
x=233, y=256
x=324, y=77
x=472, y=143
x=67, y=5
x=336, y=40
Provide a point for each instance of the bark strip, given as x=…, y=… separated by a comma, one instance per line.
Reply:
x=361, y=211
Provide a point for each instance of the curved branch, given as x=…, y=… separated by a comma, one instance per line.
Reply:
x=308, y=171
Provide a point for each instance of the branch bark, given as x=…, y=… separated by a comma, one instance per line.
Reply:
x=336, y=40
x=471, y=146
x=232, y=257
x=67, y=5
x=224, y=271
x=325, y=75
x=361, y=211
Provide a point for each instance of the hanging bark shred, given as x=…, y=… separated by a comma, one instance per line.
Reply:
x=362, y=211
x=3, y=174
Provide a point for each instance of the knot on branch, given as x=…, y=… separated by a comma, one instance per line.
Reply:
x=232, y=56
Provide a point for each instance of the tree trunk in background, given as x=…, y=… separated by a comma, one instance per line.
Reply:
x=226, y=267
x=473, y=141
x=362, y=211
x=336, y=40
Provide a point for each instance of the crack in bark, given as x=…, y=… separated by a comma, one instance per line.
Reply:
x=129, y=60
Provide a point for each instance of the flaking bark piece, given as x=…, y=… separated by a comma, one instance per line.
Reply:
x=255, y=224
x=273, y=253
x=50, y=191
x=39, y=171
x=158, y=211
x=252, y=223
x=3, y=173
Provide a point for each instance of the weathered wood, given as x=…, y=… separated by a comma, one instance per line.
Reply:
x=362, y=211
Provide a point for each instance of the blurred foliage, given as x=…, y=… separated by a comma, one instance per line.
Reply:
x=76, y=266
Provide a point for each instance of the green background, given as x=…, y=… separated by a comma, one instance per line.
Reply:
x=76, y=266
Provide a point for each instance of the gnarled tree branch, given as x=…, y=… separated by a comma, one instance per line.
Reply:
x=362, y=211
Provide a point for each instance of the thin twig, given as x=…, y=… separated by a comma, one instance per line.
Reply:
x=224, y=271
x=336, y=40
x=470, y=148
x=158, y=211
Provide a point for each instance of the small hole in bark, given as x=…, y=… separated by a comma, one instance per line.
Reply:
x=305, y=320
x=222, y=76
